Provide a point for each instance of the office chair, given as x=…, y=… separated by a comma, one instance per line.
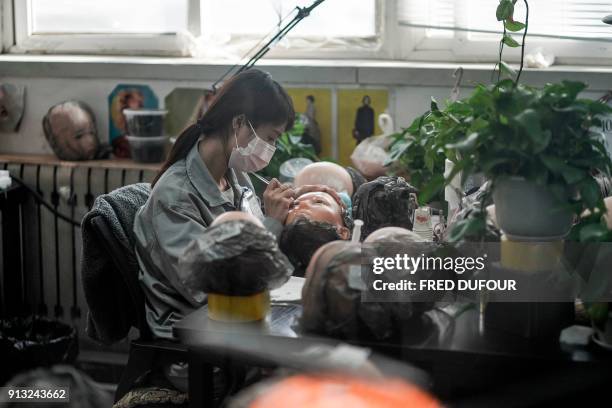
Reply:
x=127, y=308
x=144, y=351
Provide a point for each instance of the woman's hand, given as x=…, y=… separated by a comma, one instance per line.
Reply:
x=278, y=199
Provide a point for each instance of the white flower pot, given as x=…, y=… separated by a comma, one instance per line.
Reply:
x=529, y=211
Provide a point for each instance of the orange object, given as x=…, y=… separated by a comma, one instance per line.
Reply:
x=334, y=391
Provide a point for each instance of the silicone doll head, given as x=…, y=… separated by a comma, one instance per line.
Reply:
x=237, y=216
x=325, y=173
x=70, y=129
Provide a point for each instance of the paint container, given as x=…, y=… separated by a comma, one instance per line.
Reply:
x=148, y=149
x=145, y=122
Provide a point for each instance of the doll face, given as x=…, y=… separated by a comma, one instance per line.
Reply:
x=316, y=206
x=11, y=107
x=73, y=135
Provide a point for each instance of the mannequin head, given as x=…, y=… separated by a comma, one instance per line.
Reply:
x=237, y=216
x=393, y=234
x=384, y=202
x=70, y=129
x=325, y=173
x=321, y=207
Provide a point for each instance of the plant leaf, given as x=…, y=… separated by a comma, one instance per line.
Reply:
x=431, y=189
x=434, y=105
x=530, y=121
x=505, y=10
x=467, y=227
x=590, y=192
x=593, y=232
x=513, y=26
x=510, y=42
x=507, y=69
x=466, y=144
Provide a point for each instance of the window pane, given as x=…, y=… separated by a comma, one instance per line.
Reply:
x=436, y=13
x=332, y=18
x=578, y=18
x=109, y=16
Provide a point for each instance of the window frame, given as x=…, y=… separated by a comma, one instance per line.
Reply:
x=462, y=48
x=179, y=44
x=165, y=44
x=391, y=42
x=374, y=47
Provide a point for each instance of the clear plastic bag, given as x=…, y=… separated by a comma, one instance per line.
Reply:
x=370, y=155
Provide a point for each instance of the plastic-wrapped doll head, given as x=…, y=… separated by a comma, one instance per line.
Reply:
x=332, y=299
x=384, y=202
x=326, y=173
x=235, y=256
x=390, y=242
x=339, y=298
x=70, y=129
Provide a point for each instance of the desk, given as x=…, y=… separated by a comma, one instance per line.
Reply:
x=466, y=361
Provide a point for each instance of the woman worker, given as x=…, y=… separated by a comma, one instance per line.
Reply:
x=204, y=177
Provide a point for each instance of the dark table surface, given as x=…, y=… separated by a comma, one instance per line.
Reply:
x=463, y=357
x=450, y=329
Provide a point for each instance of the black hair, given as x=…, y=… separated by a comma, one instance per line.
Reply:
x=252, y=93
x=301, y=239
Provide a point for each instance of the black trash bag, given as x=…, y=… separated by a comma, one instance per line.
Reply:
x=384, y=202
x=83, y=392
x=236, y=258
x=35, y=341
x=333, y=298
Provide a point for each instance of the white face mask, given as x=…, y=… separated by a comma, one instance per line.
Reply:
x=254, y=157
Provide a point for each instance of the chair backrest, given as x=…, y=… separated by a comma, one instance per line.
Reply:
x=128, y=279
x=110, y=267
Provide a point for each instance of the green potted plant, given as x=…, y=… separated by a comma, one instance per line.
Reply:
x=539, y=147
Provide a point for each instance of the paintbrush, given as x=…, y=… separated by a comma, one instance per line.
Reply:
x=260, y=178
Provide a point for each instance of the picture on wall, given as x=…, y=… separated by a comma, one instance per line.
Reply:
x=126, y=96
x=314, y=105
x=358, y=111
x=185, y=106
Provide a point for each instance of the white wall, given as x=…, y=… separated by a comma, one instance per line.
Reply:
x=411, y=86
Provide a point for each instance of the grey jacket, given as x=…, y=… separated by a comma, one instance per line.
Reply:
x=183, y=203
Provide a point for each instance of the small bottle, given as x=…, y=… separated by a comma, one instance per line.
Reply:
x=422, y=223
x=356, y=234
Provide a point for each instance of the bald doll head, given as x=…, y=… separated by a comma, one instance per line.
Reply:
x=237, y=216
x=326, y=173
x=393, y=234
